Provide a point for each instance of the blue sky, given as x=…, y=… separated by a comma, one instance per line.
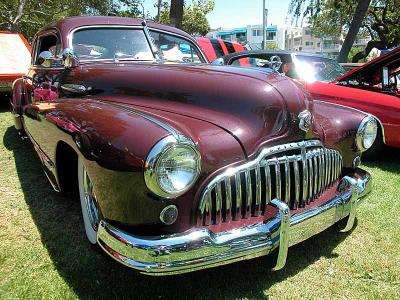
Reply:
x=237, y=13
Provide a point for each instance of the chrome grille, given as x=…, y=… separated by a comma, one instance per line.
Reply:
x=296, y=173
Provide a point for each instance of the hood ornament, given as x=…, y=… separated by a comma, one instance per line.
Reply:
x=305, y=120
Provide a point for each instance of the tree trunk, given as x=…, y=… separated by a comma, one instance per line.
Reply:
x=359, y=15
x=159, y=3
x=176, y=13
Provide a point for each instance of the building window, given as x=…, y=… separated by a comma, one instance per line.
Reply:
x=271, y=36
x=309, y=43
x=257, y=32
x=308, y=32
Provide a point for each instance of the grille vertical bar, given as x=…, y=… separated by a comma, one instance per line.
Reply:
x=296, y=173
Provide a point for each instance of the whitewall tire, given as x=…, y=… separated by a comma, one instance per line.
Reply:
x=90, y=208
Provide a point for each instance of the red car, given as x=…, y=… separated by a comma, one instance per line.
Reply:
x=14, y=59
x=373, y=87
x=214, y=48
x=181, y=165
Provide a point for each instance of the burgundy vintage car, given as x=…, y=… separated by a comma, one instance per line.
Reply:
x=181, y=165
x=373, y=87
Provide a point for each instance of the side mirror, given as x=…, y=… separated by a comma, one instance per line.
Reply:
x=276, y=62
x=45, y=59
x=70, y=60
x=385, y=77
x=218, y=62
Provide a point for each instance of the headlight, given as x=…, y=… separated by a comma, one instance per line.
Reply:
x=366, y=133
x=172, y=167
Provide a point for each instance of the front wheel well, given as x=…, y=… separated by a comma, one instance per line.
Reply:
x=67, y=169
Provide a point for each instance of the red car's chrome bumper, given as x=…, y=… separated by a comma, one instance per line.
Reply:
x=201, y=248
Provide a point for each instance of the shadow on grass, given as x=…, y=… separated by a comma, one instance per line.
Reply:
x=92, y=274
x=388, y=160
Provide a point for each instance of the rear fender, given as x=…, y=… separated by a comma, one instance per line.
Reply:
x=17, y=101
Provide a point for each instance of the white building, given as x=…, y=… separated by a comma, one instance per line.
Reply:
x=286, y=38
x=252, y=34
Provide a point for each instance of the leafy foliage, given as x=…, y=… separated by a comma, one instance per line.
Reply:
x=331, y=18
x=27, y=16
x=194, y=16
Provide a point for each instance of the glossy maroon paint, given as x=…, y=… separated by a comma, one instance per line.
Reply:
x=229, y=113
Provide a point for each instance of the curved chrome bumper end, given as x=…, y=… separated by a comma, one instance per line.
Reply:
x=202, y=248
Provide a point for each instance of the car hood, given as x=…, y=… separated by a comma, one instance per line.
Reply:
x=374, y=67
x=253, y=106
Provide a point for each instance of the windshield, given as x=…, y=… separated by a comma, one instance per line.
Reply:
x=311, y=68
x=111, y=43
x=131, y=44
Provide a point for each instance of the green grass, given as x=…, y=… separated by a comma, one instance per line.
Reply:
x=44, y=253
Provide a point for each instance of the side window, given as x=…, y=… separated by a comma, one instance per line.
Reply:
x=47, y=43
x=176, y=49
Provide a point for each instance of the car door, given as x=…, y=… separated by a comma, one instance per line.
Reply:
x=41, y=81
x=41, y=84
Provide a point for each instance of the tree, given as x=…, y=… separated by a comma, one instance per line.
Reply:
x=327, y=10
x=382, y=24
x=176, y=13
x=194, y=16
x=28, y=16
x=359, y=15
x=330, y=18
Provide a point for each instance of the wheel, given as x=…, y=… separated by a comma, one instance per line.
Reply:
x=376, y=148
x=89, y=204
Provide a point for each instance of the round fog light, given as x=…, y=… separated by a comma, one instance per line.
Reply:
x=169, y=215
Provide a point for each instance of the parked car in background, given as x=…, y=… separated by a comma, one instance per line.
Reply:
x=214, y=48
x=181, y=165
x=350, y=66
x=364, y=88
x=14, y=59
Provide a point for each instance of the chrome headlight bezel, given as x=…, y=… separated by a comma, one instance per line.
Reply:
x=361, y=142
x=161, y=148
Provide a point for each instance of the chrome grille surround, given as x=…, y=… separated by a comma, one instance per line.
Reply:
x=296, y=173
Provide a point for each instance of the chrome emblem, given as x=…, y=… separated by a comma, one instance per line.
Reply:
x=305, y=120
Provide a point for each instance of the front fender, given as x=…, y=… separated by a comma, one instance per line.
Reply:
x=338, y=126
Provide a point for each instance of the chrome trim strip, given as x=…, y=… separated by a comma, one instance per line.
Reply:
x=238, y=182
x=278, y=184
x=228, y=194
x=258, y=188
x=248, y=193
x=296, y=182
x=268, y=186
x=218, y=203
x=287, y=181
x=201, y=248
x=177, y=135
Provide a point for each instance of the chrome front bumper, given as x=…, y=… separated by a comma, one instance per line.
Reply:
x=202, y=248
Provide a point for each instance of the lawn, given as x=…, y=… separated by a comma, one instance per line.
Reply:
x=44, y=252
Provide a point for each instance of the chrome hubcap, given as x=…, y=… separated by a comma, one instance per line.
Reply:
x=90, y=201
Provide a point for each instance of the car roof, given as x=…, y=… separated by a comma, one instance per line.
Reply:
x=65, y=26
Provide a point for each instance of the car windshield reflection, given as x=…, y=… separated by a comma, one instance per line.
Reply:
x=311, y=68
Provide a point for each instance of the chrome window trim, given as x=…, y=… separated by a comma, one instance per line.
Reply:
x=182, y=37
x=361, y=111
x=71, y=33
